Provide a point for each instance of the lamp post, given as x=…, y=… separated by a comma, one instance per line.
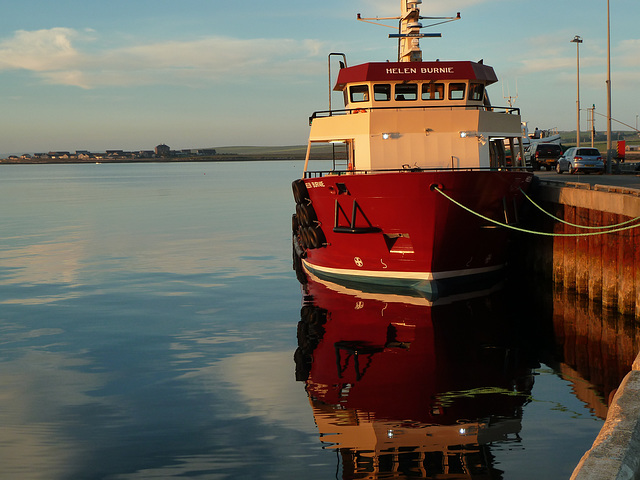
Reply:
x=609, y=152
x=577, y=40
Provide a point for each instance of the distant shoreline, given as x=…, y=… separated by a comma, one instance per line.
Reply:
x=217, y=159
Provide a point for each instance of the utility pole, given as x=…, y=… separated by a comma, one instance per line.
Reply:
x=578, y=40
x=592, y=121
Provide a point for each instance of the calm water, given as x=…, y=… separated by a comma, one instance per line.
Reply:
x=149, y=322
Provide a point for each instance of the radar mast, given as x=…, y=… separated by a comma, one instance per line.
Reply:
x=409, y=26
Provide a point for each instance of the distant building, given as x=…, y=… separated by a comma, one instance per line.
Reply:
x=163, y=150
x=207, y=151
x=59, y=154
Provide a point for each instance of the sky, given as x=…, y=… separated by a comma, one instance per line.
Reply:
x=131, y=74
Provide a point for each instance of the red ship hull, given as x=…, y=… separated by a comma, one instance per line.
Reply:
x=396, y=228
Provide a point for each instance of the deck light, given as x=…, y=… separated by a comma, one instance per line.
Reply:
x=481, y=138
x=385, y=136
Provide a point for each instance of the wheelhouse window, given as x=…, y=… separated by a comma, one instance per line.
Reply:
x=382, y=92
x=359, y=93
x=406, y=91
x=456, y=91
x=476, y=92
x=432, y=91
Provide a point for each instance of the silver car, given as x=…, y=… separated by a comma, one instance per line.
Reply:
x=584, y=159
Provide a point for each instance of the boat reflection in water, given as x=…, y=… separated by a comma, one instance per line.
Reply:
x=401, y=386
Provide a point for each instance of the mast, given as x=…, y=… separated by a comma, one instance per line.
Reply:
x=409, y=48
x=409, y=34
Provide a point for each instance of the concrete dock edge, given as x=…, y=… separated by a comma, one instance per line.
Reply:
x=615, y=453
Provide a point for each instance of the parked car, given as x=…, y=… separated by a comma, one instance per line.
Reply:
x=542, y=154
x=581, y=160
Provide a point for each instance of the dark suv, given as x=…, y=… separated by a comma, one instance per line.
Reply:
x=538, y=154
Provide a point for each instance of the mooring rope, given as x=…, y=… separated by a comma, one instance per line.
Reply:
x=575, y=224
x=533, y=232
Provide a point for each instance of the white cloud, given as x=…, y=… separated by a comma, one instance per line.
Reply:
x=627, y=53
x=40, y=50
x=555, y=57
x=54, y=57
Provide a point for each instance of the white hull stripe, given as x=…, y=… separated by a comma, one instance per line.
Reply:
x=415, y=276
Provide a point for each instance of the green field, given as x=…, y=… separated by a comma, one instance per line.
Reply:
x=569, y=139
x=281, y=151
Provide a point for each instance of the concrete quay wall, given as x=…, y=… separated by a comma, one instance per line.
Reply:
x=615, y=453
x=606, y=268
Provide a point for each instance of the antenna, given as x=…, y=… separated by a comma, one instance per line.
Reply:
x=510, y=100
x=409, y=26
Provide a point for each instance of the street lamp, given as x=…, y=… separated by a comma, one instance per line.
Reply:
x=577, y=40
x=609, y=152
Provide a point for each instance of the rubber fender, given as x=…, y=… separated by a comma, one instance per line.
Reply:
x=315, y=236
x=302, y=215
x=300, y=192
x=304, y=236
x=314, y=241
x=306, y=214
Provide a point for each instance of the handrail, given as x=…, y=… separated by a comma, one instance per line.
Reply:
x=322, y=173
x=346, y=111
x=343, y=64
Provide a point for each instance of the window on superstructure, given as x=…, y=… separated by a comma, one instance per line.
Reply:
x=432, y=91
x=359, y=93
x=406, y=91
x=382, y=92
x=456, y=91
x=476, y=92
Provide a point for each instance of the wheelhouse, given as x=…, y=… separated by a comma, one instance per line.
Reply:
x=419, y=115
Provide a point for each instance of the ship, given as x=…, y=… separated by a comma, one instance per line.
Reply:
x=417, y=188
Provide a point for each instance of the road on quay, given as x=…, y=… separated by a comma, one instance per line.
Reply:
x=625, y=180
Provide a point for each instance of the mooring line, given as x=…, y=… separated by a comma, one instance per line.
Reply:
x=533, y=232
x=575, y=224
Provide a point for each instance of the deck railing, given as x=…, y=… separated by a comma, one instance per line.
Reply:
x=347, y=111
x=322, y=173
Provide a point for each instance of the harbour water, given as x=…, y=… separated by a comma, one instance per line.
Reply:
x=151, y=327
